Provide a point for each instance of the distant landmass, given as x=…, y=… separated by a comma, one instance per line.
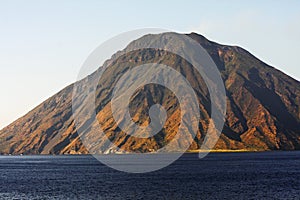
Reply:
x=263, y=107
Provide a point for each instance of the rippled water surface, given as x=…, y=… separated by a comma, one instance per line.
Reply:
x=268, y=175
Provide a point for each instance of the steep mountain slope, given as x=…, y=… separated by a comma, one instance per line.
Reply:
x=263, y=107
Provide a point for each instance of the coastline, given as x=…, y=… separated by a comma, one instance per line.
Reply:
x=187, y=152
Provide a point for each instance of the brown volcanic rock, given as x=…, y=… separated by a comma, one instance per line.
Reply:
x=263, y=107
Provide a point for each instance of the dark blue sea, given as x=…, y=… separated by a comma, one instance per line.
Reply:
x=264, y=175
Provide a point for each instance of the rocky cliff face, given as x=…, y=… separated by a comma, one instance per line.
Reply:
x=263, y=107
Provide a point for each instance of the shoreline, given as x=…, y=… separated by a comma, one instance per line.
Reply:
x=226, y=151
x=187, y=152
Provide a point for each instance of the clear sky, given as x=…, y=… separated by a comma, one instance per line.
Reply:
x=44, y=43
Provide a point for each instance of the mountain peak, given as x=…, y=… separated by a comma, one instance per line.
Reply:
x=201, y=39
x=263, y=111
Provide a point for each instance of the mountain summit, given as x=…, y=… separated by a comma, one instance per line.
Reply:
x=263, y=107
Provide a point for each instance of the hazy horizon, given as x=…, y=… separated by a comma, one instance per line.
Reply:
x=44, y=45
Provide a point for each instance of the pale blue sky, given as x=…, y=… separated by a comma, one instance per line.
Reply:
x=43, y=43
